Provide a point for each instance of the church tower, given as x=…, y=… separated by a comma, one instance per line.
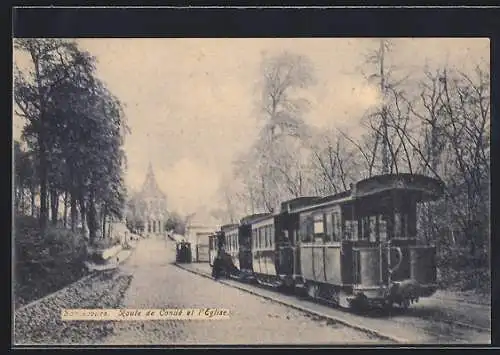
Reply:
x=155, y=202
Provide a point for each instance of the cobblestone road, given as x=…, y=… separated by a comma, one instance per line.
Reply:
x=157, y=283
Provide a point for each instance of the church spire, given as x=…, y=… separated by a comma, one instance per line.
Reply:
x=150, y=172
x=150, y=186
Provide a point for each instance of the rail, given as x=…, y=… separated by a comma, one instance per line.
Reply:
x=390, y=328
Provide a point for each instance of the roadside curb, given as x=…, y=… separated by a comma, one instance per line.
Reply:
x=300, y=308
x=91, y=267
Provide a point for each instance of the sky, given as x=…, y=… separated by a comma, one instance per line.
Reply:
x=190, y=103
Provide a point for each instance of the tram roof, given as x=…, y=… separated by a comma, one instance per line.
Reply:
x=423, y=188
x=255, y=217
x=229, y=226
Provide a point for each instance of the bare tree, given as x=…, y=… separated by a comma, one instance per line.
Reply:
x=384, y=142
x=281, y=76
x=334, y=162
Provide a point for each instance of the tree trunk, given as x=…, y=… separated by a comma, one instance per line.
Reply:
x=21, y=199
x=83, y=210
x=32, y=191
x=43, y=163
x=54, y=205
x=73, y=212
x=104, y=223
x=92, y=219
x=43, y=188
x=17, y=199
x=65, y=213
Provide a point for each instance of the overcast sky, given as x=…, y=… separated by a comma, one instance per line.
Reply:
x=190, y=102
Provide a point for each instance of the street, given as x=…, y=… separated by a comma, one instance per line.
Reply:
x=157, y=283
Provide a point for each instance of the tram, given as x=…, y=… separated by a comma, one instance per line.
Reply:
x=353, y=249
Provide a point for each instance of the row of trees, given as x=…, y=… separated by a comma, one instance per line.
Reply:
x=437, y=124
x=72, y=141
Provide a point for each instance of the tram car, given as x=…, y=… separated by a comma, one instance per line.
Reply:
x=231, y=243
x=246, y=248
x=273, y=245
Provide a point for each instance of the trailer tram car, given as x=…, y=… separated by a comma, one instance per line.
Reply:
x=359, y=248
x=274, y=246
x=246, y=246
x=231, y=243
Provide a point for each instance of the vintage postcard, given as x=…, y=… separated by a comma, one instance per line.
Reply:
x=251, y=191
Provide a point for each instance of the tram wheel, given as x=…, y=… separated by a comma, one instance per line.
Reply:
x=312, y=290
x=387, y=307
x=405, y=304
x=359, y=304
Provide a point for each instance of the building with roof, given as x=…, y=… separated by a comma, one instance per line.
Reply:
x=150, y=205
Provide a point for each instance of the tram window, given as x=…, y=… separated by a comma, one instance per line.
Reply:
x=318, y=224
x=351, y=230
x=365, y=231
x=266, y=237
x=398, y=225
x=306, y=229
x=373, y=228
x=401, y=225
x=254, y=239
x=382, y=228
x=334, y=227
x=328, y=227
x=336, y=232
x=272, y=235
x=347, y=230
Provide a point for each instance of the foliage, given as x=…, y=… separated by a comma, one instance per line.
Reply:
x=44, y=263
x=74, y=131
x=177, y=223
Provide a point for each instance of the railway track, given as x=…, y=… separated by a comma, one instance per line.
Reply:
x=403, y=328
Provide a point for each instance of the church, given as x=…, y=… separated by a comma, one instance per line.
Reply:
x=151, y=205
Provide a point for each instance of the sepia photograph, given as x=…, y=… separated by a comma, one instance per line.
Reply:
x=251, y=191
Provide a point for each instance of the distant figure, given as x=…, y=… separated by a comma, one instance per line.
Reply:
x=217, y=268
